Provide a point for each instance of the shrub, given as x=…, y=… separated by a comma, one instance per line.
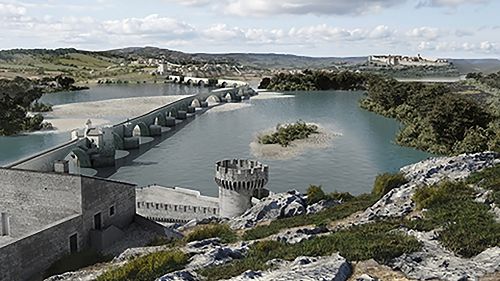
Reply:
x=223, y=231
x=285, y=134
x=386, y=182
x=315, y=194
x=147, y=267
x=341, y=196
x=468, y=228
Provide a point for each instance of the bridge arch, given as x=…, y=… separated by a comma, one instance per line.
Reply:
x=189, y=82
x=196, y=103
x=140, y=129
x=118, y=141
x=213, y=99
x=160, y=120
x=223, y=84
x=171, y=113
x=80, y=157
x=201, y=83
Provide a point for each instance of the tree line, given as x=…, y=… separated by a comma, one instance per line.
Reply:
x=17, y=96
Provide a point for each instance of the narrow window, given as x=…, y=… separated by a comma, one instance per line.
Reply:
x=73, y=243
x=111, y=211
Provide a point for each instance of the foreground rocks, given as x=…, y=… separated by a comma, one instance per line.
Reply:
x=435, y=262
x=276, y=206
x=334, y=267
x=398, y=202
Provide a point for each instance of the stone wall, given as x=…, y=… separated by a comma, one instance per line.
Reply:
x=27, y=257
x=175, y=212
x=99, y=195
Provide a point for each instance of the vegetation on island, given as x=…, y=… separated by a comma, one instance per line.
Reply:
x=287, y=133
x=16, y=99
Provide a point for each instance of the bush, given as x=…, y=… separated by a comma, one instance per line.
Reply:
x=387, y=182
x=315, y=194
x=468, y=228
x=285, y=134
x=147, y=267
x=223, y=231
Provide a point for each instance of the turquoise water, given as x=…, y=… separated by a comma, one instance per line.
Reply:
x=187, y=159
x=364, y=150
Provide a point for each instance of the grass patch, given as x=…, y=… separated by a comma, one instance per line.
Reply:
x=341, y=211
x=386, y=182
x=222, y=231
x=376, y=241
x=148, y=267
x=468, y=227
x=488, y=179
x=75, y=262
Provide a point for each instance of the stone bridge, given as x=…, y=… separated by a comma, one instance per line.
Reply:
x=87, y=151
x=223, y=83
x=150, y=124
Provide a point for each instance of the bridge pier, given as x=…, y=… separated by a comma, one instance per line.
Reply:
x=170, y=122
x=154, y=130
x=130, y=143
x=191, y=109
x=181, y=115
x=203, y=104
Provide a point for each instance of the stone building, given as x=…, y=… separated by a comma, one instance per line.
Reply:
x=46, y=216
x=239, y=181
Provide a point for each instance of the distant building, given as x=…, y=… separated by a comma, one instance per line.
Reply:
x=46, y=216
x=398, y=60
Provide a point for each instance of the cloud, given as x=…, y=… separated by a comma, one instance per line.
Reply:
x=150, y=25
x=484, y=47
x=11, y=10
x=426, y=33
x=449, y=3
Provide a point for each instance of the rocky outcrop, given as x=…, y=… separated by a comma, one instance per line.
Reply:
x=276, y=206
x=299, y=235
x=334, y=267
x=398, y=202
x=211, y=252
x=435, y=262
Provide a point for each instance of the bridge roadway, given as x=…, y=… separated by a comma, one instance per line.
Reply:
x=126, y=135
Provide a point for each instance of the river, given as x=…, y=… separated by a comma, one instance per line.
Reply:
x=364, y=149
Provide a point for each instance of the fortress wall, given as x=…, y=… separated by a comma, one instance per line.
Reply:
x=20, y=260
x=174, y=212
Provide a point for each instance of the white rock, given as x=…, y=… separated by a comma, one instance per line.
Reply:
x=334, y=267
x=276, y=206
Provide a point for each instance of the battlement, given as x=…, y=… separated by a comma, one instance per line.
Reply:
x=238, y=180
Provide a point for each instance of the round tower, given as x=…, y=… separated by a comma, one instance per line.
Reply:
x=238, y=181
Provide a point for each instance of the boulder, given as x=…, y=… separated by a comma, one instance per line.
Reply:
x=321, y=205
x=211, y=252
x=398, y=202
x=436, y=262
x=334, y=267
x=276, y=206
x=298, y=235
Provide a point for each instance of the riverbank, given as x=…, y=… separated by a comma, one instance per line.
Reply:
x=67, y=117
x=322, y=139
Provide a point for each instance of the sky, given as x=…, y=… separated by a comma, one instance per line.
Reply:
x=433, y=28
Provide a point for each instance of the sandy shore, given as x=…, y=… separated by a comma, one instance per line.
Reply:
x=71, y=116
x=229, y=107
x=270, y=95
x=276, y=152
